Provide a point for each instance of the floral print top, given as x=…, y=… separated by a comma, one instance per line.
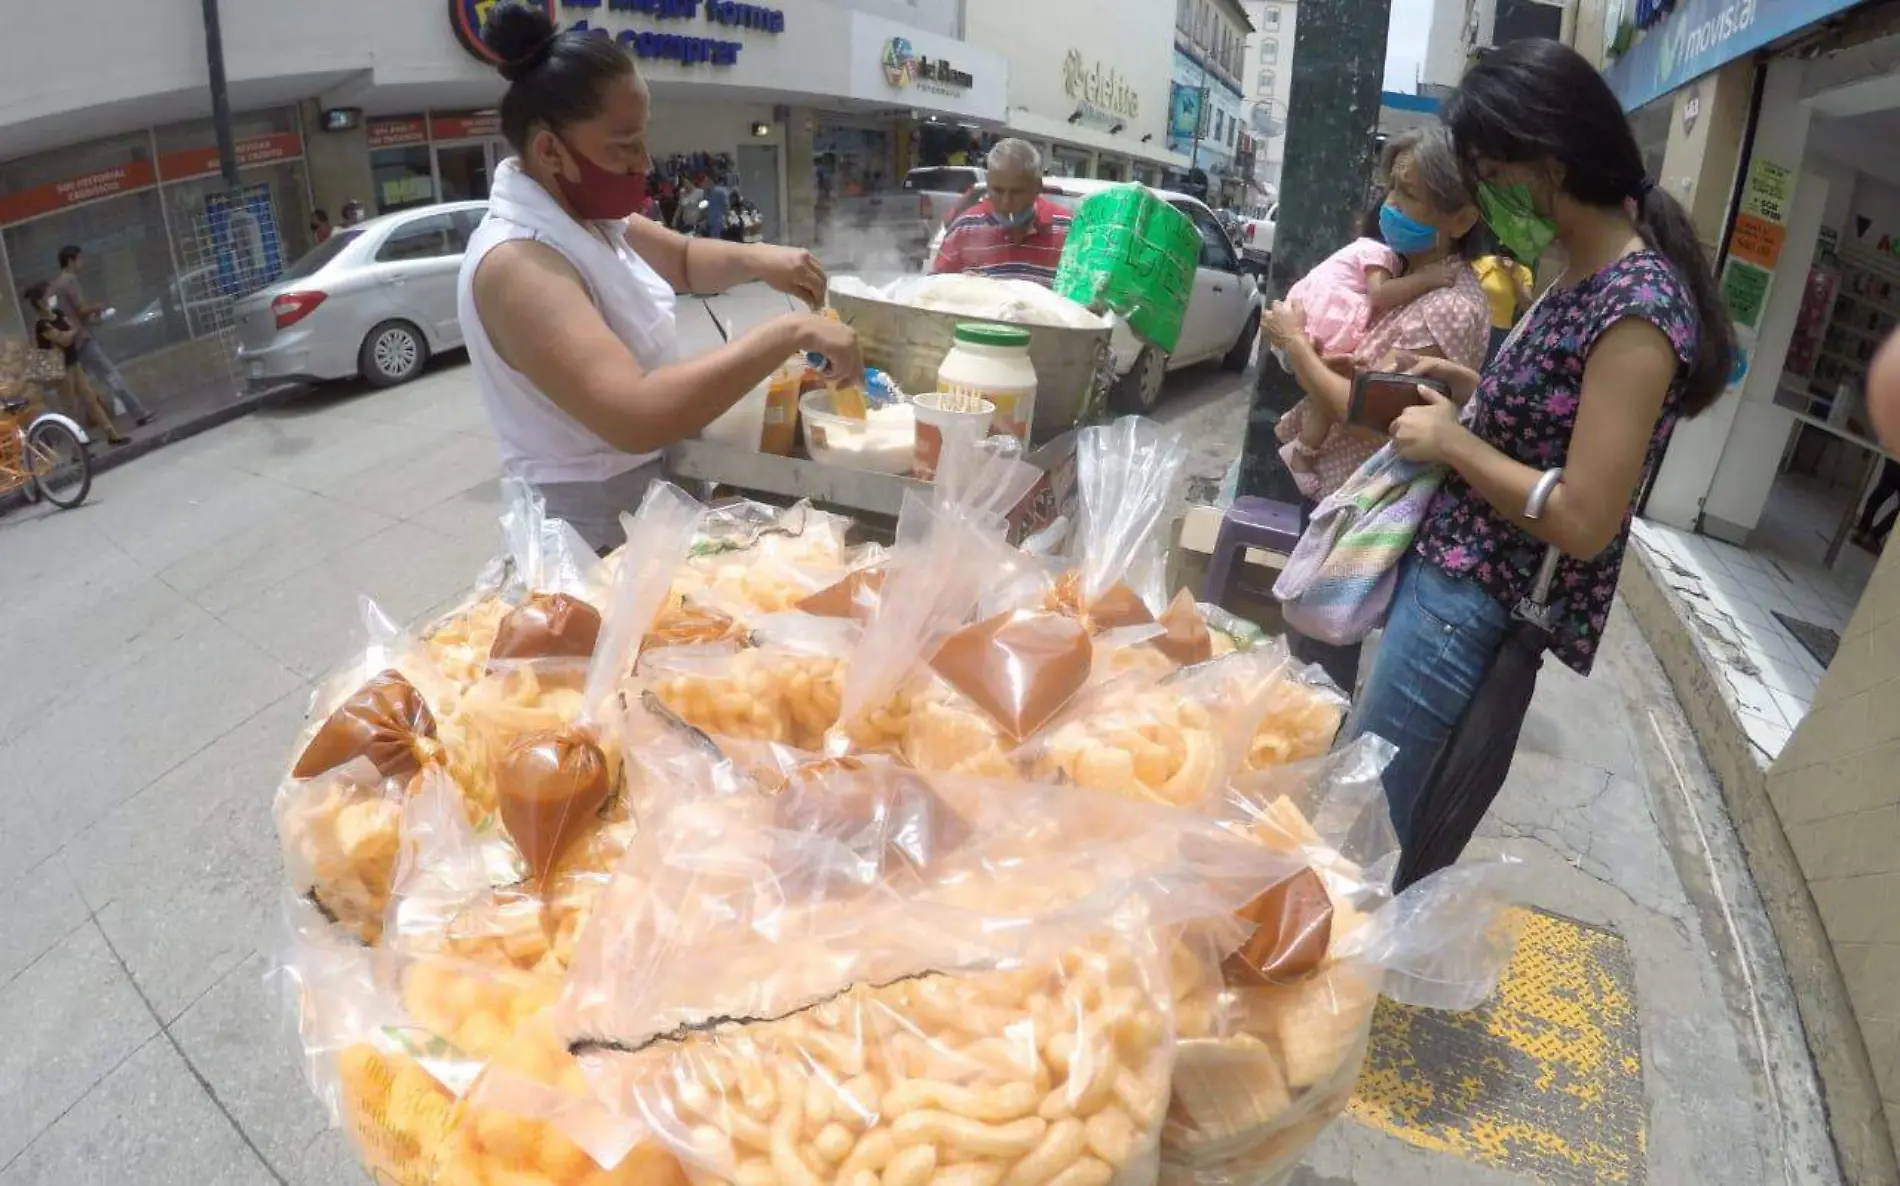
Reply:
x=1525, y=407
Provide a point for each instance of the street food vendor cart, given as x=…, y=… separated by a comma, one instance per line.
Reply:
x=906, y=329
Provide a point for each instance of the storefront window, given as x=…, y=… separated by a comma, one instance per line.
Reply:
x=403, y=177
x=852, y=162
x=1069, y=162
x=202, y=133
x=127, y=265
x=1651, y=125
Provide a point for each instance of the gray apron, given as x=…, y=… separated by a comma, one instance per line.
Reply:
x=593, y=509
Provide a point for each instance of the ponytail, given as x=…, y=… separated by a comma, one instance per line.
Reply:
x=1666, y=227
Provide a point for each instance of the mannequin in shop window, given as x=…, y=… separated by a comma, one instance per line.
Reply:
x=567, y=298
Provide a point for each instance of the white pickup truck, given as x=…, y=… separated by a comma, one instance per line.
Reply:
x=1256, y=234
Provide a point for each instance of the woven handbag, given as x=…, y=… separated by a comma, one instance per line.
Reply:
x=1338, y=583
x=45, y=366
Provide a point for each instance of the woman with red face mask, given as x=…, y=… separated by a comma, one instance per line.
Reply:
x=567, y=293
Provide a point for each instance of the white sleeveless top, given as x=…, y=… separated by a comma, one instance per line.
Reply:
x=540, y=443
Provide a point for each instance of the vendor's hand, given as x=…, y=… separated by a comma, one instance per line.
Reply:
x=1424, y=431
x=1283, y=325
x=1461, y=380
x=792, y=271
x=838, y=342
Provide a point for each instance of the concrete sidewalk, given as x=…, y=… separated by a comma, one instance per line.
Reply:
x=163, y=640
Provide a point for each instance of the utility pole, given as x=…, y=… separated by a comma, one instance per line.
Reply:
x=1338, y=72
x=220, y=96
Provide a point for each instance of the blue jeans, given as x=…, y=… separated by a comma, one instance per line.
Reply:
x=100, y=367
x=1440, y=639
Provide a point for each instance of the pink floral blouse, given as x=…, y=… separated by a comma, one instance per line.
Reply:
x=1454, y=322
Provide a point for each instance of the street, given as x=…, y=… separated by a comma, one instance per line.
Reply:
x=162, y=642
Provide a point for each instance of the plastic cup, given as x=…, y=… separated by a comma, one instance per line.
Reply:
x=937, y=425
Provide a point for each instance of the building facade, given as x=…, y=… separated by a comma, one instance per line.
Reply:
x=814, y=109
x=1775, y=122
x=1088, y=82
x=1207, y=105
x=1267, y=80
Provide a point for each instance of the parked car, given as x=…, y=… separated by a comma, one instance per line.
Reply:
x=1223, y=316
x=1256, y=235
x=944, y=186
x=375, y=300
x=191, y=305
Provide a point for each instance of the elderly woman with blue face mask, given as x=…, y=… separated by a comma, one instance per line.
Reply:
x=1428, y=217
x=1014, y=233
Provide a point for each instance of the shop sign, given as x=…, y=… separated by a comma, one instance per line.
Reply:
x=1185, y=111
x=398, y=133
x=251, y=151
x=469, y=125
x=892, y=63
x=1768, y=191
x=466, y=17
x=1651, y=12
x=1689, y=38
x=1102, y=86
x=905, y=67
x=1757, y=240
x=106, y=183
x=1745, y=291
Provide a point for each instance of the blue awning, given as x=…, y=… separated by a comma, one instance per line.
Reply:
x=1701, y=35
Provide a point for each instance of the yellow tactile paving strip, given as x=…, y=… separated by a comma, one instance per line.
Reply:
x=1545, y=1080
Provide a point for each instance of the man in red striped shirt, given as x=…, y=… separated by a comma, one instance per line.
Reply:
x=1015, y=233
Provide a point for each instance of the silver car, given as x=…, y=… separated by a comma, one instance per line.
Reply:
x=375, y=300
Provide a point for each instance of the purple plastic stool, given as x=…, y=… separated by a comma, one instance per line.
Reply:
x=1251, y=522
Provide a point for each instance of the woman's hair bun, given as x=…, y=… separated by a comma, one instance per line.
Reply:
x=520, y=34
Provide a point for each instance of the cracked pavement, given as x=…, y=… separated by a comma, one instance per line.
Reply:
x=167, y=636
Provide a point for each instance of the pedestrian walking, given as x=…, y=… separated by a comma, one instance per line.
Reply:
x=54, y=329
x=1562, y=425
x=353, y=212
x=1425, y=184
x=74, y=305
x=320, y=228
x=1874, y=527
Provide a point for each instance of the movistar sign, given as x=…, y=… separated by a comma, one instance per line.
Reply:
x=1689, y=38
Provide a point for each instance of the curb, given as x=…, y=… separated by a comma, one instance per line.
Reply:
x=106, y=458
x=1856, y=1119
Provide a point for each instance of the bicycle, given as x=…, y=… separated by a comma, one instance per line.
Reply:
x=42, y=454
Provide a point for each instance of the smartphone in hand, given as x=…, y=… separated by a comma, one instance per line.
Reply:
x=1379, y=396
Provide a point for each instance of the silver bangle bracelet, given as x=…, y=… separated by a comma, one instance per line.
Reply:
x=1540, y=493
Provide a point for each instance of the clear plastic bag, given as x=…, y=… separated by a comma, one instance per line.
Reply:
x=875, y=972
x=787, y=689
x=1129, y=480
x=537, y=753
x=371, y=731
x=464, y=891
x=1273, y=1035
x=750, y=560
x=949, y=551
x=444, y=1072
x=543, y=600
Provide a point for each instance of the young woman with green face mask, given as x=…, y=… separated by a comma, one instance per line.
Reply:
x=1629, y=338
